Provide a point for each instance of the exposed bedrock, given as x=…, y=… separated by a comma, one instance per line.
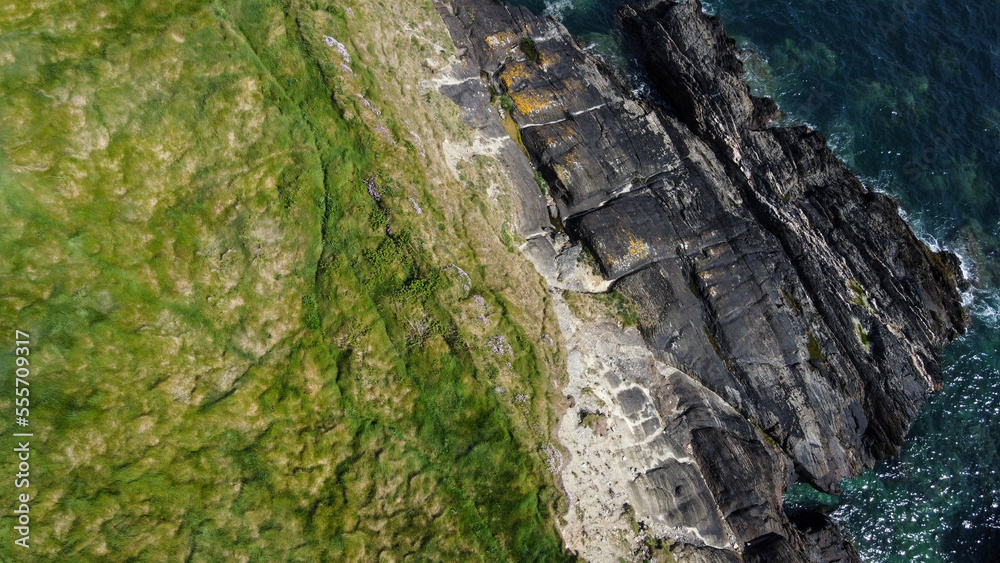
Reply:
x=798, y=316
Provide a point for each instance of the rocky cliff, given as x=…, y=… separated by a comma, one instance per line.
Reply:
x=792, y=320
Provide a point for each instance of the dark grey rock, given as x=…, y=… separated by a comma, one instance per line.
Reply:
x=807, y=314
x=879, y=304
x=677, y=492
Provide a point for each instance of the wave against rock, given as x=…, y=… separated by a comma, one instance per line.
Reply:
x=795, y=318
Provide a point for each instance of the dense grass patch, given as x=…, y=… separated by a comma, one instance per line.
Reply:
x=247, y=346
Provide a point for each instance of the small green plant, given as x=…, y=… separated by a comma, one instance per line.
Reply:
x=310, y=312
x=377, y=219
x=768, y=439
x=792, y=301
x=529, y=49
x=424, y=288
x=587, y=257
x=659, y=550
x=621, y=305
x=508, y=239
x=591, y=419
x=863, y=336
x=815, y=350
x=542, y=184
x=860, y=296
x=630, y=516
x=506, y=103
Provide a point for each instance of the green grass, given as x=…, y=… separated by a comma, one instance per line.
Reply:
x=527, y=46
x=863, y=336
x=543, y=186
x=815, y=350
x=860, y=295
x=622, y=307
x=506, y=103
x=591, y=420
x=659, y=550
x=236, y=359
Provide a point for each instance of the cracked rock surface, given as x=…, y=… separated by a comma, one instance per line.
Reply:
x=790, y=320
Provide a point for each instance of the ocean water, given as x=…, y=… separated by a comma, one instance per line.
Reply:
x=908, y=94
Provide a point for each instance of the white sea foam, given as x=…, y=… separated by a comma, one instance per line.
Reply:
x=881, y=184
x=983, y=304
x=756, y=67
x=557, y=8
x=985, y=309
x=938, y=241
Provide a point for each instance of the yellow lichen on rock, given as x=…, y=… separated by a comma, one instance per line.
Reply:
x=564, y=170
x=637, y=247
x=513, y=73
x=548, y=60
x=500, y=40
x=636, y=250
x=572, y=157
x=530, y=102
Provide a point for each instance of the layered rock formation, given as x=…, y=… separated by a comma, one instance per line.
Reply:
x=792, y=319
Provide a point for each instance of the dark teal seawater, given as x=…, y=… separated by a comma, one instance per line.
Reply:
x=908, y=93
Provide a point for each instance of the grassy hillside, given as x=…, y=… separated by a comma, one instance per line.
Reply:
x=268, y=322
